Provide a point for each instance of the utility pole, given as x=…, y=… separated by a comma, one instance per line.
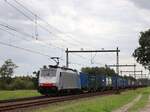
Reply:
x=67, y=58
x=117, y=61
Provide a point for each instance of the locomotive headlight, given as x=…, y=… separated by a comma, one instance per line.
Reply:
x=40, y=84
x=47, y=84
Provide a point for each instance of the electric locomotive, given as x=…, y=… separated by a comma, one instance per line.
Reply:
x=55, y=79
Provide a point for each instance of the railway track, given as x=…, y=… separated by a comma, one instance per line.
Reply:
x=21, y=99
x=15, y=105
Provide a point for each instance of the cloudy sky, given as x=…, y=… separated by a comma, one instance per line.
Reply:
x=73, y=24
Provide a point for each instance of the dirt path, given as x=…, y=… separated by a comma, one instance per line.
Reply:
x=147, y=108
x=127, y=106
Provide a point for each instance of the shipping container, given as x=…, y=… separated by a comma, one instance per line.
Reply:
x=108, y=82
x=84, y=80
x=125, y=83
x=92, y=82
x=101, y=82
x=114, y=81
x=120, y=82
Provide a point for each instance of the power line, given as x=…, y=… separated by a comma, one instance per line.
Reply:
x=80, y=56
x=14, y=29
x=45, y=21
x=10, y=33
x=29, y=50
x=24, y=7
x=73, y=63
x=6, y=31
x=33, y=13
x=19, y=10
x=21, y=48
x=35, y=52
x=29, y=40
x=26, y=15
x=44, y=28
x=8, y=27
x=26, y=34
x=39, y=24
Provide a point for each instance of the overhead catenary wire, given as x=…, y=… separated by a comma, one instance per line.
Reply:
x=24, y=14
x=19, y=10
x=73, y=63
x=28, y=35
x=36, y=40
x=33, y=15
x=21, y=48
x=13, y=34
x=8, y=27
x=85, y=58
x=38, y=17
x=92, y=58
x=7, y=31
x=25, y=49
x=33, y=20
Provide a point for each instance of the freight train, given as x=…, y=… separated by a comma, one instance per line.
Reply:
x=59, y=80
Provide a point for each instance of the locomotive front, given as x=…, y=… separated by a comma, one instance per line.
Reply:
x=47, y=80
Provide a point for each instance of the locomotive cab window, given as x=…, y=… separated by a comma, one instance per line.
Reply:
x=48, y=73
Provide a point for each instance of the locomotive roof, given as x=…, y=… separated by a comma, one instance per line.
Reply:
x=64, y=68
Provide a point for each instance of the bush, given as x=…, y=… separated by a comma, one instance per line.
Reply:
x=19, y=83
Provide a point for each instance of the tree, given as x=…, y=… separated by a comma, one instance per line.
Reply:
x=7, y=70
x=142, y=53
x=22, y=83
x=98, y=70
x=36, y=79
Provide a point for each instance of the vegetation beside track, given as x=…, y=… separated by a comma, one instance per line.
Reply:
x=94, y=104
x=145, y=92
x=5, y=95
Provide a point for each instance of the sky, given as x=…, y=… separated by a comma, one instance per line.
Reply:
x=73, y=24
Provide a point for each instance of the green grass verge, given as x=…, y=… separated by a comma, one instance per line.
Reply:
x=4, y=95
x=94, y=104
x=143, y=100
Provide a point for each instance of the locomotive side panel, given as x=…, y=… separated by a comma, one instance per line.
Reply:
x=69, y=81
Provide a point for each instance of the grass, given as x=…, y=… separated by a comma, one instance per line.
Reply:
x=143, y=100
x=95, y=104
x=4, y=95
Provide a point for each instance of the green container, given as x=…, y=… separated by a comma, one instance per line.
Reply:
x=92, y=85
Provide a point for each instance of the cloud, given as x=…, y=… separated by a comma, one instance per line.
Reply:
x=82, y=24
x=142, y=4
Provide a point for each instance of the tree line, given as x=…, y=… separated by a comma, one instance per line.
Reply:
x=8, y=82
x=98, y=70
